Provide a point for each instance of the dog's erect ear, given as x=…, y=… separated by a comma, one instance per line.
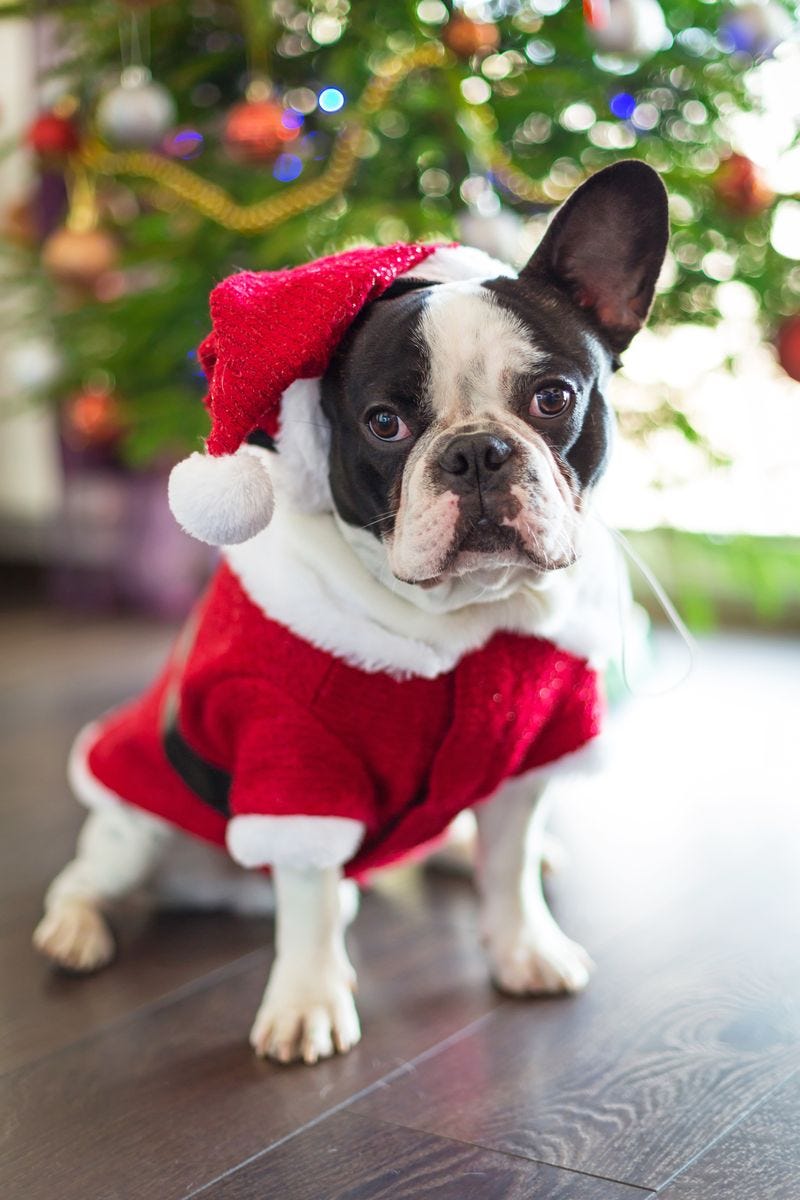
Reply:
x=605, y=246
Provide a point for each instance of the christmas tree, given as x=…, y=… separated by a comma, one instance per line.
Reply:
x=181, y=141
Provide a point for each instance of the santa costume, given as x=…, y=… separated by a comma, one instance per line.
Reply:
x=309, y=715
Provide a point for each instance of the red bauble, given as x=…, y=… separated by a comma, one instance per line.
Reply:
x=787, y=343
x=741, y=187
x=53, y=136
x=255, y=130
x=92, y=417
x=466, y=37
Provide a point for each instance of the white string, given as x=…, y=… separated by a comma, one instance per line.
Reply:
x=670, y=612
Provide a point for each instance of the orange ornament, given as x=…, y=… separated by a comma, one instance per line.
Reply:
x=92, y=418
x=466, y=37
x=79, y=257
x=255, y=130
x=787, y=343
x=741, y=188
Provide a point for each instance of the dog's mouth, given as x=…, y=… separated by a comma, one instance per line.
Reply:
x=486, y=545
x=485, y=536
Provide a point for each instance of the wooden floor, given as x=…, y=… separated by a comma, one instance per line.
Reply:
x=676, y=1073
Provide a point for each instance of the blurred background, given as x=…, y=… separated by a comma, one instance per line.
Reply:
x=149, y=148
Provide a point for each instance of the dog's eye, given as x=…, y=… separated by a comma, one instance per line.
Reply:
x=551, y=400
x=387, y=426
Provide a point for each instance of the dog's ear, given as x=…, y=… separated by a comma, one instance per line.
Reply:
x=604, y=249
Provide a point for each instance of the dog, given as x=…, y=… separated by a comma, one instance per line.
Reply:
x=418, y=630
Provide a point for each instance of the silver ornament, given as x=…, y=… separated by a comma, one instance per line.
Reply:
x=633, y=29
x=137, y=113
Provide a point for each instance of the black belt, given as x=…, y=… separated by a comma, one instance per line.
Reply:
x=210, y=784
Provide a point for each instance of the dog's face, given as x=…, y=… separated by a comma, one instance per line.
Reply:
x=469, y=420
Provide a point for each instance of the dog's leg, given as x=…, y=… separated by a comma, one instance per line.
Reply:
x=118, y=849
x=527, y=951
x=308, y=1010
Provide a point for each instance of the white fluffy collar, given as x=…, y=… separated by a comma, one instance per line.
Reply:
x=328, y=583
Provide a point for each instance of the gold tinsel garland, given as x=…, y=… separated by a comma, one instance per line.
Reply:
x=217, y=205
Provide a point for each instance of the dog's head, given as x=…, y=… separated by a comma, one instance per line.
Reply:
x=469, y=420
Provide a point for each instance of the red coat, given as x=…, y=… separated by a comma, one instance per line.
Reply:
x=262, y=722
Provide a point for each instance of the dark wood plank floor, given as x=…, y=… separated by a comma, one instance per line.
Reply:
x=677, y=1073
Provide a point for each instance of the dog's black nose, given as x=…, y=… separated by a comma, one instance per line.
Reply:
x=474, y=457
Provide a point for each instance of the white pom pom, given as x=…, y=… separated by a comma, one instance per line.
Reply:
x=222, y=499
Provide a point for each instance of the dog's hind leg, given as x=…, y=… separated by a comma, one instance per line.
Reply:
x=119, y=848
x=528, y=952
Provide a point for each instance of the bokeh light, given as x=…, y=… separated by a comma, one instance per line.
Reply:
x=287, y=167
x=331, y=100
x=622, y=105
x=184, y=143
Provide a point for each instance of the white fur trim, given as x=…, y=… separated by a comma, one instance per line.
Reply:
x=222, y=499
x=450, y=264
x=330, y=584
x=298, y=842
x=86, y=788
x=300, y=470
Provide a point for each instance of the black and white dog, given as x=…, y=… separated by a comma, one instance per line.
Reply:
x=432, y=491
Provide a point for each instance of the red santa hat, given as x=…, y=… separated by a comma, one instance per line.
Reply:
x=270, y=328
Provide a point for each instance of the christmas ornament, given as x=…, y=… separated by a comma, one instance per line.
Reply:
x=756, y=29
x=137, y=113
x=787, y=343
x=631, y=28
x=225, y=495
x=93, y=417
x=79, y=256
x=741, y=188
x=53, y=136
x=33, y=366
x=255, y=130
x=466, y=37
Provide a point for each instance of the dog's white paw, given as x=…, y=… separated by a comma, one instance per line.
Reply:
x=75, y=935
x=307, y=1019
x=535, y=960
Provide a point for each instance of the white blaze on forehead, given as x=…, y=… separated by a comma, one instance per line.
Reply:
x=475, y=348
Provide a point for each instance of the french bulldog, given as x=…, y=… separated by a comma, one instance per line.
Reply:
x=417, y=633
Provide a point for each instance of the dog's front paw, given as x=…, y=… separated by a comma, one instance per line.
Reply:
x=531, y=960
x=306, y=1019
x=75, y=935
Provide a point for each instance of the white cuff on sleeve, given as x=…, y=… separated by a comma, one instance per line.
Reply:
x=299, y=842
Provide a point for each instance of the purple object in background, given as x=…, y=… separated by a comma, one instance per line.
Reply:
x=116, y=544
x=161, y=569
